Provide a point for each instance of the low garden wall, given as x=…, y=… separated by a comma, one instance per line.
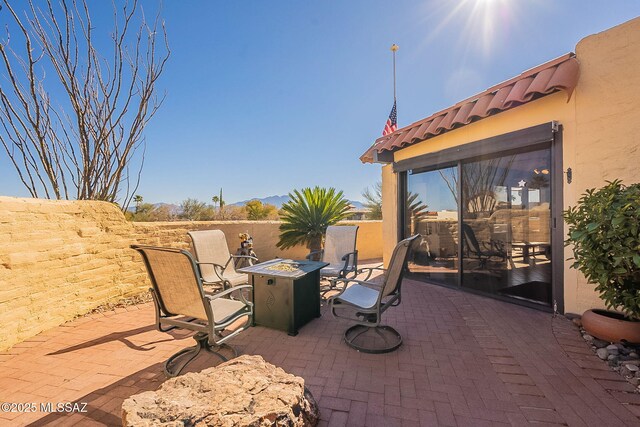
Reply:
x=61, y=259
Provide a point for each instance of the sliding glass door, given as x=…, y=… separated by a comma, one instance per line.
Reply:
x=505, y=226
x=485, y=224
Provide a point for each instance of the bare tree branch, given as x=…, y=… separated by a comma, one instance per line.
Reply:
x=72, y=118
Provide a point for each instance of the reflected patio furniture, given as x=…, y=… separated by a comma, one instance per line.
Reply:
x=529, y=250
x=482, y=252
x=215, y=263
x=364, y=301
x=341, y=254
x=180, y=302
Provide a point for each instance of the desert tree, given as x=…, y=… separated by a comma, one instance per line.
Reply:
x=479, y=182
x=257, y=211
x=195, y=210
x=147, y=212
x=72, y=116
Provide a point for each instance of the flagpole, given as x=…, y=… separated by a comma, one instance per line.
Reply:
x=394, y=49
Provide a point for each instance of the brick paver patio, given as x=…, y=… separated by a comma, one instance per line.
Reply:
x=466, y=361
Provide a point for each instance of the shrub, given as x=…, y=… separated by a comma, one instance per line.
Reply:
x=604, y=229
x=307, y=215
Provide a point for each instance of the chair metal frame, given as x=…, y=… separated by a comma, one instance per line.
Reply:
x=209, y=333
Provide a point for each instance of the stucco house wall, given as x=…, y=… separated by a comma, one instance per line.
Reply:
x=606, y=145
x=601, y=135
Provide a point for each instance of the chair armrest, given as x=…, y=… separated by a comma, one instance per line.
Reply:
x=321, y=252
x=245, y=256
x=370, y=285
x=229, y=291
x=217, y=268
x=370, y=270
x=210, y=263
x=349, y=256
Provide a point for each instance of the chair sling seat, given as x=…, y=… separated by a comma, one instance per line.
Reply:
x=225, y=309
x=360, y=296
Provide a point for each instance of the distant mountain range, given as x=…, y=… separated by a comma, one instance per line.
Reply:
x=173, y=209
x=278, y=201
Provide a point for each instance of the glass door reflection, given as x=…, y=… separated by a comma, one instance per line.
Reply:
x=431, y=209
x=506, y=229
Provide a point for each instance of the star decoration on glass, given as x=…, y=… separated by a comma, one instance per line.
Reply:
x=522, y=183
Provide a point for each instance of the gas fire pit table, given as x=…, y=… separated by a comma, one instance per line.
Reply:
x=286, y=293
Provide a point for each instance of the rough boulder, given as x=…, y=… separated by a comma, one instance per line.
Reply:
x=245, y=391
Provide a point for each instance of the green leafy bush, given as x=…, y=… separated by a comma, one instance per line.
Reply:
x=307, y=215
x=604, y=229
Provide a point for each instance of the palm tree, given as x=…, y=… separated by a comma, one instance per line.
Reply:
x=307, y=215
x=138, y=200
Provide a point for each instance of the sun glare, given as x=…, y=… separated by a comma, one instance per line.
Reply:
x=482, y=24
x=486, y=19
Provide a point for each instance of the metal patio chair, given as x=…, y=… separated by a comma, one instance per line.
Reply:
x=364, y=301
x=181, y=302
x=215, y=262
x=341, y=254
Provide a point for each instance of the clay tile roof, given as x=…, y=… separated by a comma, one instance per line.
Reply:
x=462, y=118
x=480, y=109
x=560, y=74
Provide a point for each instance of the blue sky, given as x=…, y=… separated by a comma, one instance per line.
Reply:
x=266, y=96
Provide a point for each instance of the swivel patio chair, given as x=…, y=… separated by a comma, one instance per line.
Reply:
x=215, y=262
x=181, y=302
x=364, y=301
x=341, y=254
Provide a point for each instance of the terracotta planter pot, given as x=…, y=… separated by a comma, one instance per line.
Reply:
x=610, y=326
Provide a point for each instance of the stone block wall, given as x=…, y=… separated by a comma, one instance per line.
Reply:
x=265, y=235
x=61, y=259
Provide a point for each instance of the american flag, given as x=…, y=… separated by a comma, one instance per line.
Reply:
x=392, y=122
